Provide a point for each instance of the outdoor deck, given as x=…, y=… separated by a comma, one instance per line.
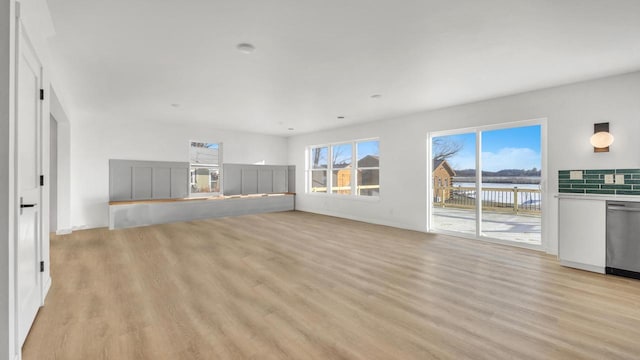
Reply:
x=523, y=228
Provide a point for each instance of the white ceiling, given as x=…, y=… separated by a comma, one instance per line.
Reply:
x=129, y=60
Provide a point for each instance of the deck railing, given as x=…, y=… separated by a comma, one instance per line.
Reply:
x=497, y=199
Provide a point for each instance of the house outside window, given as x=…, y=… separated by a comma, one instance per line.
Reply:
x=331, y=168
x=205, y=174
x=443, y=175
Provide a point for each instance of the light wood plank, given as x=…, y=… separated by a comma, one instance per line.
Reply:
x=304, y=286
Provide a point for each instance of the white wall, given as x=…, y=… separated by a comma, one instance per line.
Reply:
x=571, y=112
x=7, y=204
x=94, y=142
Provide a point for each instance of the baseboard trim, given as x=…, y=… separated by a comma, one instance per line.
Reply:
x=367, y=220
x=581, y=266
x=46, y=288
x=64, y=232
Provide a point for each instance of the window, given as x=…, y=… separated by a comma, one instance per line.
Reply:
x=332, y=169
x=368, y=154
x=318, y=173
x=205, y=159
x=341, y=168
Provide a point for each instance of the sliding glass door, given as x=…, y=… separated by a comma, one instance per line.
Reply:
x=511, y=169
x=486, y=183
x=454, y=183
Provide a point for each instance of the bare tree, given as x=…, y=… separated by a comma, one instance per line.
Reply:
x=195, y=144
x=317, y=154
x=339, y=155
x=445, y=148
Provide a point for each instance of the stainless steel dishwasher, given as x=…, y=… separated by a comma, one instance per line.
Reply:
x=623, y=239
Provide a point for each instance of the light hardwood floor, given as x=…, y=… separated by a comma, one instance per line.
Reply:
x=303, y=286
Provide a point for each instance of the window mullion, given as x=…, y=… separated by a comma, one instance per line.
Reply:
x=478, y=183
x=354, y=169
x=330, y=169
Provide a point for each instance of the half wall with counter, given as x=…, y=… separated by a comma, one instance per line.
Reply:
x=151, y=192
x=126, y=214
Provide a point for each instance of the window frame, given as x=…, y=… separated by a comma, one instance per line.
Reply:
x=329, y=170
x=207, y=166
x=310, y=170
x=358, y=168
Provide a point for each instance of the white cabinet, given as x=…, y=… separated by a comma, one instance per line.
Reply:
x=582, y=233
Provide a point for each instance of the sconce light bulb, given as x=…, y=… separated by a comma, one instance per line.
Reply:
x=601, y=139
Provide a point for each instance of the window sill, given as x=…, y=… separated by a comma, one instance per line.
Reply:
x=204, y=195
x=344, y=197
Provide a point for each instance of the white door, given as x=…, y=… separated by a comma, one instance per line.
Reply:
x=28, y=157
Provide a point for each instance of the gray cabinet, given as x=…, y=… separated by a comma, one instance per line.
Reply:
x=120, y=180
x=279, y=183
x=142, y=183
x=161, y=183
x=249, y=181
x=147, y=180
x=246, y=179
x=179, y=182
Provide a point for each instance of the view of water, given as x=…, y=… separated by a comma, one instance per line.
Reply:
x=499, y=185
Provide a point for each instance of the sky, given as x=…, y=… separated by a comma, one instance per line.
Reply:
x=513, y=148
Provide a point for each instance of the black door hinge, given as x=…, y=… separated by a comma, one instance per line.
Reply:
x=41, y=180
x=41, y=94
x=41, y=266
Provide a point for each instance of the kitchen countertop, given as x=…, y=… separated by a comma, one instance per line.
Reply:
x=602, y=197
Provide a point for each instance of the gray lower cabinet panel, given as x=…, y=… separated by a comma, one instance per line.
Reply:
x=265, y=182
x=120, y=179
x=147, y=180
x=249, y=181
x=161, y=183
x=179, y=183
x=246, y=179
x=279, y=184
x=291, y=181
x=142, y=183
x=151, y=213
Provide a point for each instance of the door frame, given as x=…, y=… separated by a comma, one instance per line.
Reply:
x=53, y=173
x=542, y=122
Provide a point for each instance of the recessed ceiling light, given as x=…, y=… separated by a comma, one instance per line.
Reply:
x=340, y=117
x=291, y=129
x=376, y=96
x=245, y=48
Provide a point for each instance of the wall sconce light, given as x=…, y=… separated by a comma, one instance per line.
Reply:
x=601, y=138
